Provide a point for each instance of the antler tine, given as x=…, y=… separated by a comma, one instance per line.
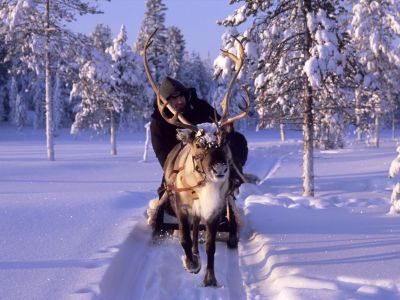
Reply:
x=238, y=65
x=162, y=103
x=245, y=110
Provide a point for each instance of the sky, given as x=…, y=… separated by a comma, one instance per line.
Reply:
x=195, y=18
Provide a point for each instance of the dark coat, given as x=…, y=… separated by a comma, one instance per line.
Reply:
x=163, y=134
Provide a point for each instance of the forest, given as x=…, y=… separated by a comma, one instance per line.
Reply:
x=323, y=67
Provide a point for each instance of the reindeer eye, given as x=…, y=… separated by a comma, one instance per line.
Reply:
x=198, y=146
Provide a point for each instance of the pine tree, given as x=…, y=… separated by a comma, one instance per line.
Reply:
x=198, y=75
x=58, y=101
x=102, y=37
x=154, y=18
x=128, y=87
x=96, y=88
x=176, y=52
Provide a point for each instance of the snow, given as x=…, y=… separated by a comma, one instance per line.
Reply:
x=75, y=228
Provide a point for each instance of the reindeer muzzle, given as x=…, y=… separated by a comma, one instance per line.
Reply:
x=219, y=170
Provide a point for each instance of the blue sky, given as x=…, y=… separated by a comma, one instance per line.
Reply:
x=196, y=19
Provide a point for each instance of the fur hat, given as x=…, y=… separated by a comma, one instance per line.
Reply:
x=171, y=88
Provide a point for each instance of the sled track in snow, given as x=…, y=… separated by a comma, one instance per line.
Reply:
x=143, y=270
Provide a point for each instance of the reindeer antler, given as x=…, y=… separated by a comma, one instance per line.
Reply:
x=245, y=110
x=162, y=103
x=225, y=102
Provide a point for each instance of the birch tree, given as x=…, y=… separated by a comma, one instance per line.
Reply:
x=154, y=17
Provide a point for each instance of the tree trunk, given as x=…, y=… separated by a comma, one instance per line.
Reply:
x=147, y=142
x=308, y=136
x=113, y=133
x=38, y=111
x=308, y=118
x=377, y=126
x=49, y=100
x=56, y=104
x=393, y=126
x=358, y=116
x=282, y=131
x=12, y=99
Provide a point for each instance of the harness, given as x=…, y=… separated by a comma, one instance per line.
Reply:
x=174, y=174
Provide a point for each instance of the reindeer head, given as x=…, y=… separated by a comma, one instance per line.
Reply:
x=208, y=150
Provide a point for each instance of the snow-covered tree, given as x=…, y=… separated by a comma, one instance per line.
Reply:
x=299, y=56
x=224, y=68
x=28, y=21
x=102, y=37
x=18, y=109
x=154, y=17
x=96, y=89
x=198, y=74
x=61, y=94
x=176, y=52
x=129, y=87
x=376, y=35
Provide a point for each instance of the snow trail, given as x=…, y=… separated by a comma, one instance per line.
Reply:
x=146, y=270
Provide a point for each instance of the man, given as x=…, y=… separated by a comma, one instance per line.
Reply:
x=196, y=111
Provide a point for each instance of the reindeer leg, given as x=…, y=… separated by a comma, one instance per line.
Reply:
x=190, y=261
x=209, y=279
x=196, y=227
x=233, y=238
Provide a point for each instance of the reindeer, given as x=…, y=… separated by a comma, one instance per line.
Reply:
x=197, y=172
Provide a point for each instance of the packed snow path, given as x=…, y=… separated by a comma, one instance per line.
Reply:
x=74, y=228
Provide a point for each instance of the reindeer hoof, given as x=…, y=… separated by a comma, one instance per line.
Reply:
x=191, y=267
x=210, y=280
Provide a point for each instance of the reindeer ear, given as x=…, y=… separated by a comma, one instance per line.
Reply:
x=185, y=135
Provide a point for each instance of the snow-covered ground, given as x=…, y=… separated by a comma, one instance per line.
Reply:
x=75, y=228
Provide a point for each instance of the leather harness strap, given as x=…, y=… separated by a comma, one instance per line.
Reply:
x=172, y=188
